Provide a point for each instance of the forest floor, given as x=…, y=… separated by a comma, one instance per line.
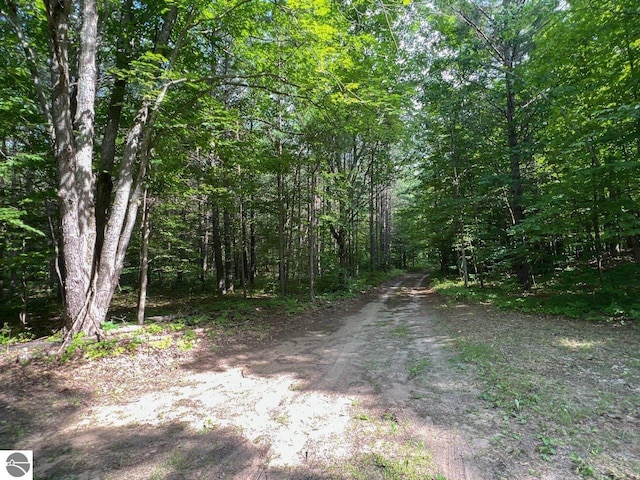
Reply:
x=396, y=385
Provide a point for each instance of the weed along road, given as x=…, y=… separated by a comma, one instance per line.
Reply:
x=391, y=388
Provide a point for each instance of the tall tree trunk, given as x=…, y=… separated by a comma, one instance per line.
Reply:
x=521, y=263
x=228, y=252
x=282, y=243
x=204, y=242
x=144, y=256
x=93, y=265
x=373, y=250
x=104, y=179
x=312, y=235
x=73, y=148
x=508, y=54
x=382, y=229
x=464, y=271
x=217, y=249
x=243, y=249
x=387, y=231
x=253, y=258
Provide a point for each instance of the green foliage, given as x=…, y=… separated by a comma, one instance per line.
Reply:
x=74, y=346
x=23, y=334
x=5, y=334
x=12, y=217
x=582, y=467
x=334, y=286
x=258, y=93
x=547, y=447
x=576, y=293
x=416, y=366
x=110, y=325
x=571, y=143
x=162, y=344
x=188, y=339
x=153, y=328
x=81, y=346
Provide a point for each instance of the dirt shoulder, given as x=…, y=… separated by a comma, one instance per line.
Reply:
x=398, y=386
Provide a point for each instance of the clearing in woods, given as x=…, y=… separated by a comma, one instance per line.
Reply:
x=397, y=387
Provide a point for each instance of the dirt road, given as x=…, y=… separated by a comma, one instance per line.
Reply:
x=378, y=388
x=369, y=394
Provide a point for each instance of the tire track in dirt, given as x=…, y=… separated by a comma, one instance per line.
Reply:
x=416, y=381
x=370, y=359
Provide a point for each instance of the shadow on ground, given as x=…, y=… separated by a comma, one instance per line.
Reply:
x=170, y=451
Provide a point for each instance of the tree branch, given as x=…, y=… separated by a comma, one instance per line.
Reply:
x=14, y=20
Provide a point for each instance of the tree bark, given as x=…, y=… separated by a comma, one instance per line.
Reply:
x=312, y=235
x=93, y=265
x=204, y=221
x=253, y=257
x=73, y=155
x=228, y=252
x=243, y=250
x=104, y=180
x=521, y=264
x=373, y=250
x=144, y=257
x=282, y=242
x=217, y=249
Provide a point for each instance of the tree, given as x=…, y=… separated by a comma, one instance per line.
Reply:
x=251, y=87
x=588, y=67
x=98, y=213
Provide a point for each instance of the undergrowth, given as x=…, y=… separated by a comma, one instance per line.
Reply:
x=174, y=318
x=612, y=295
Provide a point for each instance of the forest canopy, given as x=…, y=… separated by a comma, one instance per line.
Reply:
x=294, y=146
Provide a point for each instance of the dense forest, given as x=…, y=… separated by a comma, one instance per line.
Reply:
x=294, y=146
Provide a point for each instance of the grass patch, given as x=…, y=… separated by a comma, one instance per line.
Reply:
x=80, y=346
x=401, y=331
x=505, y=388
x=561, y=386
x=406, y=462
x=416, y=366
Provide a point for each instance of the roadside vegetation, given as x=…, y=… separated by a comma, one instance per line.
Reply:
x=176, y=319
x=567, y=389
x=575, y=292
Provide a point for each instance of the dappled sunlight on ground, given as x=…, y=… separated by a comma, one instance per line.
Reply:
x=330, y=402
x=266, y=411
x=577, y=344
